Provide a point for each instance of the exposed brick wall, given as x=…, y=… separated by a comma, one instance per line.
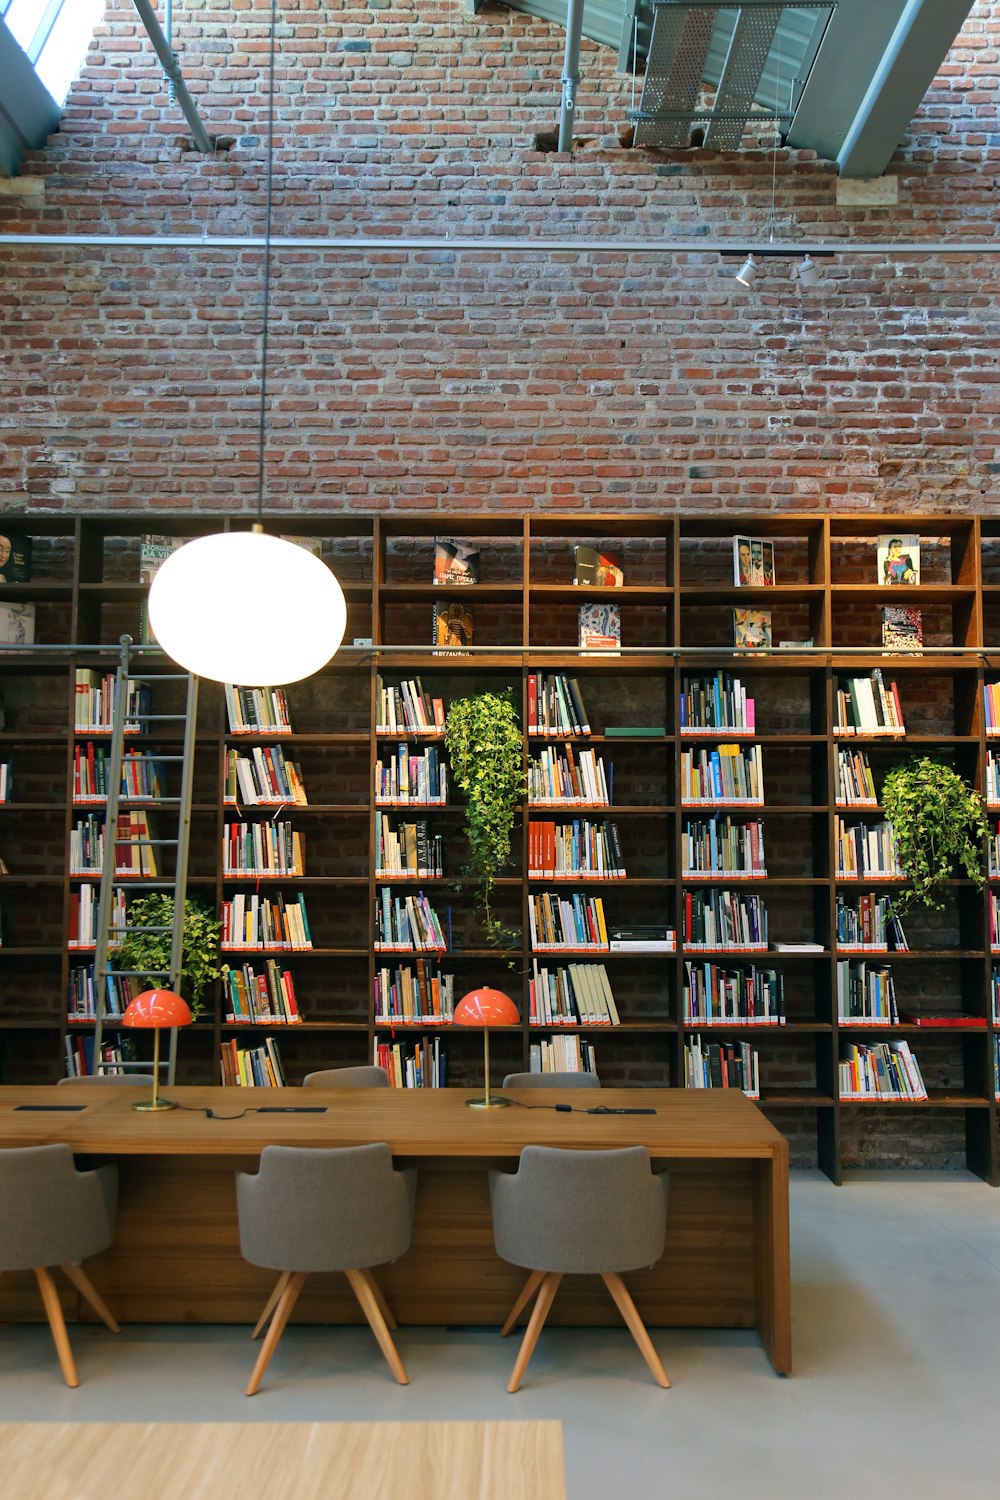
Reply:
x=130, y=378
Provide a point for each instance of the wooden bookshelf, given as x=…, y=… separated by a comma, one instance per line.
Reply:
x=677, y=622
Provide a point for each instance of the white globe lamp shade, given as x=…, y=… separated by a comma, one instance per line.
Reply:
x=245, y=607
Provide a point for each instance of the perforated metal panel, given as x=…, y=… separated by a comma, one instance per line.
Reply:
x=741, y=75
x=677, y=51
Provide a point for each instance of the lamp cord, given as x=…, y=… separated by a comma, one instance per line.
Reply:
x=267, y=266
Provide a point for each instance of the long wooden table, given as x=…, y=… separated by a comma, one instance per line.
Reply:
x=176, y=1256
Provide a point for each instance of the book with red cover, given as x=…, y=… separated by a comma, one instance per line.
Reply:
x=942, y=1022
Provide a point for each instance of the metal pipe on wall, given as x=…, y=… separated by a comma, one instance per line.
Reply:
x=171, y=67
x=570, y=72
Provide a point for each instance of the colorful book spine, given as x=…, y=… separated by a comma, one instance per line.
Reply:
x=405, y=708
x=721, y=1065
x=419, y=1064
x=253, y=921
x=724, y=849
x=253, y=997
x=855, y=782
x=418, y=994
x=745, y=995
x=555, y=706
x=723, y=774
x=882, y=1071
x=407, y=851
x=869, y=924
x=577, y=848
x=263, y=777
x=564, y=779
x=866, y=851
x=405, y=924
x=716, y=705
x=865, y=993
x=261, y=711
x=562, y=1054
x=268, y=849
x=577, y=994
x=405, y=780
x=567, y=923
x=868, y=706
x=251, y=1067
x=724, y=919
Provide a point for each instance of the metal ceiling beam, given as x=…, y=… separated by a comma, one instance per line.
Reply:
x=28, y=114
x=741, y=74
x=908, y=67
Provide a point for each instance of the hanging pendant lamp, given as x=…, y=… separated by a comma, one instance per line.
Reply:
x=242, y=606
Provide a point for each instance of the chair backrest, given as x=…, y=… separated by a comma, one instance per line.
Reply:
x=348, y=1078
x=52, y=1214
x=334, y=1209
x=131, y=1078
x=552, y=1081
x=580, y=1211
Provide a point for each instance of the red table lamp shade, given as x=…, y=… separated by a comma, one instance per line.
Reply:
x=157, y=1008
x=486, y=1007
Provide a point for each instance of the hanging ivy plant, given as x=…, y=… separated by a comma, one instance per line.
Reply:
x=149, y=952
x=940, y=828
x=483, y=740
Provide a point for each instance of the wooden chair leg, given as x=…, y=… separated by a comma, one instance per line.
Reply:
x=57, y=1323
x=540, y=1311
x=383, y=1306
x=636, y=1327
x=271, y=1304
x=369, y=1306
x=88, y=1291
x=525, y=1295
x=287, y=1300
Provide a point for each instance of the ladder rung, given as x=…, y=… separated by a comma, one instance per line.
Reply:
x=129, y=973
x=120, y=931
x=157, y=718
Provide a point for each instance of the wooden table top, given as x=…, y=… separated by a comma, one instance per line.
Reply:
x=695, y=1124
x=283, y=1460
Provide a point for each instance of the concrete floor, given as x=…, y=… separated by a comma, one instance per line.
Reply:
x=897, y=1369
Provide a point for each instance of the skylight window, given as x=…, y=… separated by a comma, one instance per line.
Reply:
x=55, y=34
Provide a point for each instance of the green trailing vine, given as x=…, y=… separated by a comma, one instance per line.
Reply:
x=483, y=740
x=940, y=827
x=147, y=952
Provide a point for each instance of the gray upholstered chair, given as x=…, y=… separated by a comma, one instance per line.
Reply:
x=551, y=1081
x=342, y=1209
x=572, y=1212
x=54, y=1215
x=348, y=1078
x=130, y=1078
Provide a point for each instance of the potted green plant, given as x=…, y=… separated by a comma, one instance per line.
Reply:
x=149, y=952
x=940, y=827
x=483, y=740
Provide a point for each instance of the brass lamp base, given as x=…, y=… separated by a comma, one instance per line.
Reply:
x=148, y=1105
x=492, y=1101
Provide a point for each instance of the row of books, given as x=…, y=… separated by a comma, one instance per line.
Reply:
x=135, y=850
x=577, y=994
x=407, y=923
x=855, y=782
x=882, y=1070
x=407, y=709
x=576, y=848
x=721, y=1065
x=120, y=991
x=272, y=848
x=83, y=915
x=566, y=922
x=996, y=1068
x=256, y=1067
x=718, y=846
x=143, y=776
x=415, y=1065
x=555, y=706
x=409, y=851
x=255, y=921
x=6, y=771
x=991, y=705
x=263, y=776
x=251, y=710
x=718, y=704
x=994, y=921
x=724, y=919
x=864, y=705
x=563, y=1054
x=869, y=923
x=992, y=789
x=865, y=992
x=94, y=702
x=714, y=996
x=82, y=1061
x=557, y=778
x=252, y=996
x=421, y=993
x=866, y=850
x=407, y=779
x=725, y=773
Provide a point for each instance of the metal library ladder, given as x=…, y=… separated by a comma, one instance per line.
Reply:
x=105, y=937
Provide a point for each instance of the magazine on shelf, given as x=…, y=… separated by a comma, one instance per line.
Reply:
x=595, y=569
x=753, y=562
x=15, y=556
x=600, y=628
x=453, y=628
x=751, y=629
x=898, y=557
x=456, y=562
x=902, y=629
x=17, y=624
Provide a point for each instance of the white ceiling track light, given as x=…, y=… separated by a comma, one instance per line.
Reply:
x=747, y=271
x=808, y=271
x=241, y=606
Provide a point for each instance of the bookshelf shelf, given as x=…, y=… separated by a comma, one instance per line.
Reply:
x=676, y=607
